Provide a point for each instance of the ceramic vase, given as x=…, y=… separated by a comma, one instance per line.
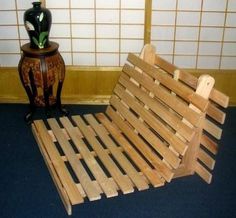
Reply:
x=37, y=21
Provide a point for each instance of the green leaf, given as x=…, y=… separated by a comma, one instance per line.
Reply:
x=44, y=41
x=42, y=36
x=35, y=41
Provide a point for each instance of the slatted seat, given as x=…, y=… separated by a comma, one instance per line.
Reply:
x=151, y=132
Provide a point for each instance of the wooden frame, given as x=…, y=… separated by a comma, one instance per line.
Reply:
x=152, y=131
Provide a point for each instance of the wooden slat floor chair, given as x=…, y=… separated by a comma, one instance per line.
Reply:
x=161, y=123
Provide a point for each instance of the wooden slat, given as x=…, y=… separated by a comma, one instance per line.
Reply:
x=117, y=154
x=209, y=144
x=159, y=165
x=203, y=173
x=213, y=129
x=154, y=123
x=220, y=98
x=153, y=177
x=63, y=194
x=183, y=91
x=191, y=80
x=53, y=136
x=166, y=97
x=124, y=184
x=158, y=108
x=89, y=159
x=206, y=159
x=74, y=161
x=59, y=165
x=148, y=135
x=215, y=113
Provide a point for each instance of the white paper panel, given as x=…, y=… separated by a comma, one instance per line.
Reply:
x=189, y=5
x=83, y=45
x=230, y=34
x=83, y=30
x=189, y=48
x=208, y=62
x=162, y=33
x=229, y=49
x=132, y=31
x=107, y=31
x=23, y=33
x=107, y=45
x=212, y=19
x=188, y=18
x=164, y=47
x=9, y=60
x=8, y=32
x=107, y=4
x=107, y=59
x=132, y=16
x=231, y=20
x=81, y=3
x=214, y=5
x=163, y=18
x=9, y=46
x=185, y=61
x=131, y=45
x=187, y=33
x=23, y=4
x=58, y=4
x=133, y=4
x=60, y=16
x=8, y=5
x=60, y=30
x=164, y=5
x=209, y=48
x=20, y=15
x=64, y=44
x=67, y=58
x=211, y=34
x=228, y=63
x=123, y=58
x=232, y=5
x=84, y=59
x=107, y=16
x=82, y=16
x=8, y=17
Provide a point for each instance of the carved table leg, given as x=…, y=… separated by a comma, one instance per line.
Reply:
x=29, y=91
x=29, y=116
x=62, y=110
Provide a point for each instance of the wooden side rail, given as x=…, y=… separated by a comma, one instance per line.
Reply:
x=152, y=131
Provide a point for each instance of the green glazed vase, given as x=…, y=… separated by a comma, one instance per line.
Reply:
x=37, y=21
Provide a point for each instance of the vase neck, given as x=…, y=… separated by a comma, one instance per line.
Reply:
x=36, y=5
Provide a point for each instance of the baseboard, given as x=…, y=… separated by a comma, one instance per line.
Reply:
x=95, y=85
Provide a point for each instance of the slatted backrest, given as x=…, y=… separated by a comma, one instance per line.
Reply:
x=215, y=118
x=152, y=111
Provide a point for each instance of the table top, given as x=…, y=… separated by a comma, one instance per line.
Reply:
x=38, y=52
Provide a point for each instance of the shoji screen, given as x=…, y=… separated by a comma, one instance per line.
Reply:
x=190, y=33
x=197, y=33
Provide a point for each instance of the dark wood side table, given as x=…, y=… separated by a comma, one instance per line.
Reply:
x=42, y=72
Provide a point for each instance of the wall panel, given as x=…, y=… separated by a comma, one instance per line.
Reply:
x=95, y=37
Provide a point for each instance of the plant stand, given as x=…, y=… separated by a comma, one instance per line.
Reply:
x=42, y=72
